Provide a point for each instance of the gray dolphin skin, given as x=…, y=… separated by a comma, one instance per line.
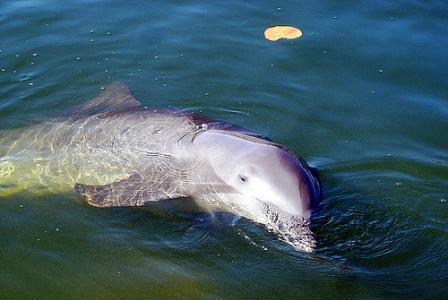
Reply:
x=115, y=152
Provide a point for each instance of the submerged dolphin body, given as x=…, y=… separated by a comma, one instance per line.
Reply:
x=115, y=152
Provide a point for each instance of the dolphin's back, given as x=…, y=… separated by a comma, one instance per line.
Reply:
x=97, y=149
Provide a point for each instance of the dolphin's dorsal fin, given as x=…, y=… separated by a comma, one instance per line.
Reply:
x=115, y=97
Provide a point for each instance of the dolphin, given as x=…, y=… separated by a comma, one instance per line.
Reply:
x=114, y=152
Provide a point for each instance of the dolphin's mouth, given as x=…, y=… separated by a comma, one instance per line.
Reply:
x=292, y=229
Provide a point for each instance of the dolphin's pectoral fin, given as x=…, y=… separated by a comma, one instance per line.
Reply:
x=127, y=192
x=115, y=97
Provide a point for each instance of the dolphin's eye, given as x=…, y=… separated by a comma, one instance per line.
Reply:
x=243, y=178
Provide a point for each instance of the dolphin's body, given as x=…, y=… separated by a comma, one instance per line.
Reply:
x=115, y=152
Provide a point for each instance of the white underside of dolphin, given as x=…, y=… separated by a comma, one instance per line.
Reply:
x=115, y=152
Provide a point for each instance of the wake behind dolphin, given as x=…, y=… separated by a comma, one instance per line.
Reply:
x=115, y=152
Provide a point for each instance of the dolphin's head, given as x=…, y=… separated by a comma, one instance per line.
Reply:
x=268, y=184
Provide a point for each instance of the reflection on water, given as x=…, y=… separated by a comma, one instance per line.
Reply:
x=361, y=95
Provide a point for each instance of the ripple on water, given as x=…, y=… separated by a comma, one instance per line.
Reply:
x=380, y=228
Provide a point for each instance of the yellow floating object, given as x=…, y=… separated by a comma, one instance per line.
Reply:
x=282, y=32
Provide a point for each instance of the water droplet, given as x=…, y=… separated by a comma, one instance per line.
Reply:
x=78, y=58
x=21, y=205
x=156, y=57
x=102, y=88
x=335, y=18
x=17, y=55
x=108, y=33
x=3, y=70
x=34, y=54
x=164, y=84
x=31, y=83
x=443, y=200
x=91, y=40
x=398, y=183
x=57, y=229
x=92, y=31
x=380, y=70
x=325, y=52
x=206, y=93
x=279, y=8
x=389, y=155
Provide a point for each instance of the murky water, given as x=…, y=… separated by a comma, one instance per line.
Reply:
x=362, y=96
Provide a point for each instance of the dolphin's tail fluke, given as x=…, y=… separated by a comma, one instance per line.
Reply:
x=7, y=169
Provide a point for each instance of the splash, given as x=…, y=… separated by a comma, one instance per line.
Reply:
x=294, y=230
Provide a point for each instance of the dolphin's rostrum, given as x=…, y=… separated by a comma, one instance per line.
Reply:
x=115, y=152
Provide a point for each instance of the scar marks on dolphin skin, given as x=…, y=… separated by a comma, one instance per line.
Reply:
x=198, y=129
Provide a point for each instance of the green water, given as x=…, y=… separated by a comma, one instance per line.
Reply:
x=362, y=96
